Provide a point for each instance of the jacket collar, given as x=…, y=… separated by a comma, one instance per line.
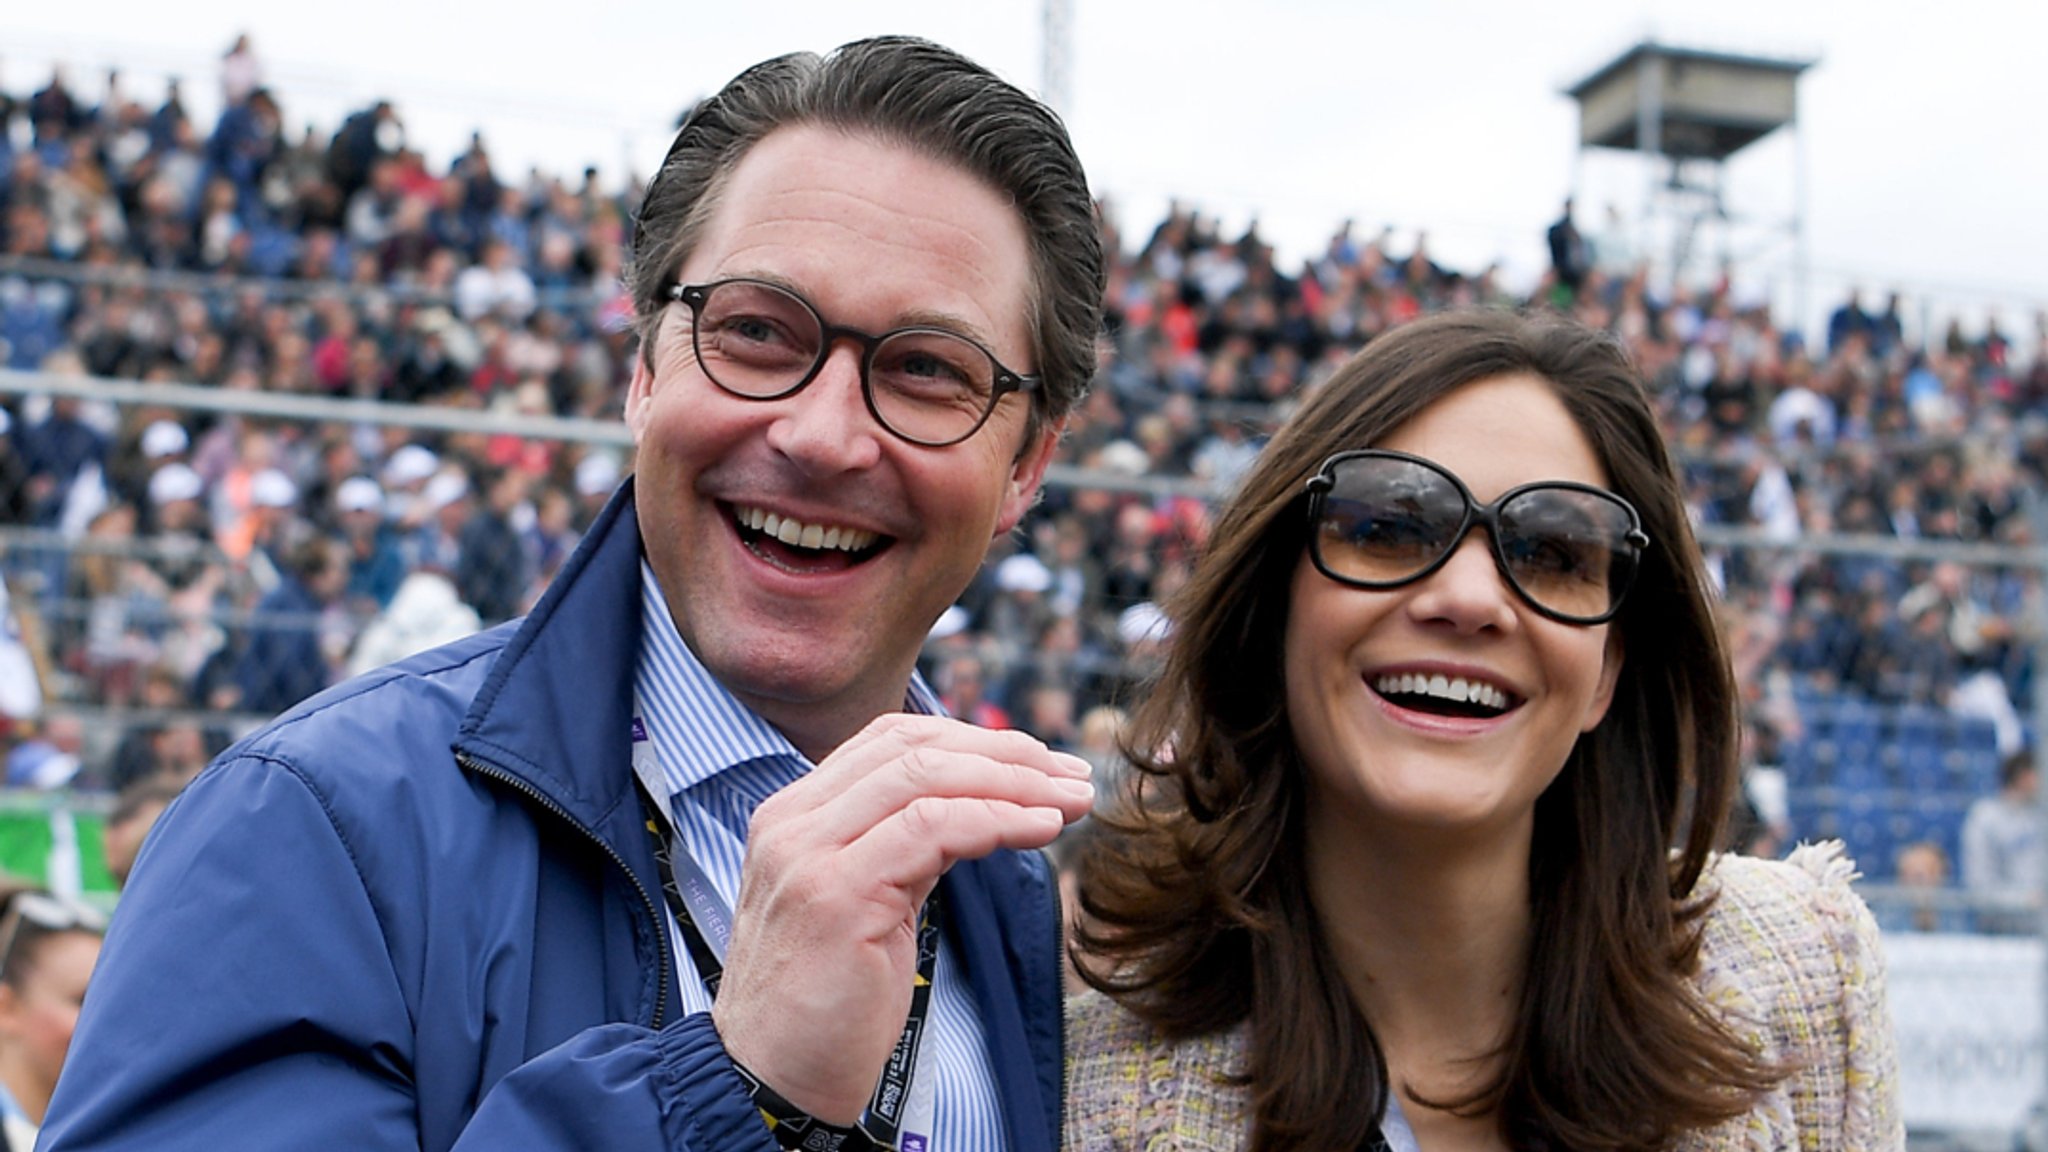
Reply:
x=554, y=712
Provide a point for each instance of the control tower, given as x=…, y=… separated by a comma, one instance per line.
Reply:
x=1686, y=111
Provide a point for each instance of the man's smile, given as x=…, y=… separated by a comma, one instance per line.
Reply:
x=798, y=546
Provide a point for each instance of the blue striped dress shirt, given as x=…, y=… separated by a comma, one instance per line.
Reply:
x=721, y=760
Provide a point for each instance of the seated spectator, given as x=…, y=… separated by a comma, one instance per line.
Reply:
x=135, y=812
x=597, y=474
x=21, y=682
x=270, y=526
x=406, y=472
x=363, y=139
x=48, y=946
x=1049, y=715
x=1849, y=320
x=961, y=687
x=162, y=691
x=13, y=469
x=552, y=536
x=495, y=286
x=283, y=660
x=50, y=757
x=1018, y=610
x=134, y=463
x=2002, y=846
x=59, y=450
x=492, y=569
x=1760, y=824
x=175, y=748
x=376, y=566
x=1920, y=902
x=1102, y=729
x=1975, y=638
x=424, y=613
x=431, y=530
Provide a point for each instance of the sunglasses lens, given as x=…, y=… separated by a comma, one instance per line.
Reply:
x=1568, y=550
x=1384, y=520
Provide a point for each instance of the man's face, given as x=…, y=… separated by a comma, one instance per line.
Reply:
x=822, y=639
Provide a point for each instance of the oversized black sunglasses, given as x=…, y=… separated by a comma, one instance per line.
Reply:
x=1381, y=519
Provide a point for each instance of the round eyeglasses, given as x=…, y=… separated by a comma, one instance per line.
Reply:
x=762, y=341
x=1380, y=519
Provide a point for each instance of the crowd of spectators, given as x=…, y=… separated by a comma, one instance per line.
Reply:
x=232, y=563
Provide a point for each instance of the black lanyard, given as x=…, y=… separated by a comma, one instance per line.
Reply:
x=882, y=1123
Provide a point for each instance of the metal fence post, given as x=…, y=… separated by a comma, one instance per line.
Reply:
x=2039, y=567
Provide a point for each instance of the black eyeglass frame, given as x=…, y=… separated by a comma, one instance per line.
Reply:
x=1003, y=383
x=1476, y=514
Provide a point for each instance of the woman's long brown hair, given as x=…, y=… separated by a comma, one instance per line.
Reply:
x=1197, y=913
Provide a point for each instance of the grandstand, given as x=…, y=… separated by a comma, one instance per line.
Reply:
x=141, y=246
x=255, y=386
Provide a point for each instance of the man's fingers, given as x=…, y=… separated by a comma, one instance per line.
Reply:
x=937, y=775
x=835, y=811
x=1072, y=765
x=912, y=849
x=898, y=734
x=838, y=864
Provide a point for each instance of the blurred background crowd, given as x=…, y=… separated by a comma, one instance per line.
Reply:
x=197, y=570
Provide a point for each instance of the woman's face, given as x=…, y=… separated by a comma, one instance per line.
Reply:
x=38, y=1015
x=1368, y=672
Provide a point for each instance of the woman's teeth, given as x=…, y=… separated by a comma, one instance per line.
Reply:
x=1455, y=689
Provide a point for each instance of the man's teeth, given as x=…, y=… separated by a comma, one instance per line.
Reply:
x=800, y=535
x=1453, y=688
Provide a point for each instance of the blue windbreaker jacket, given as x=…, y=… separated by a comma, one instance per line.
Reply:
x=419, y=911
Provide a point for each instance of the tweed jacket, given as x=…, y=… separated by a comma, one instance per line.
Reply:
x=1790, y=958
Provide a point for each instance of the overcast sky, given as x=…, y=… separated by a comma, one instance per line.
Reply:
x=1920, y=155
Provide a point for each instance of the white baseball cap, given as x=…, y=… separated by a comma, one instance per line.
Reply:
x=410, y=465
x=273, y=489
x=1141, y=622
x=445, y=489
x=359, y=494
x=1123, y=458
x=951, y=622
x=1023, y=572
x=164, y=438
x=173, y=482
x=597, y=473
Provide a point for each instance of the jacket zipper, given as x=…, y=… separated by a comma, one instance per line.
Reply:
x=1059, y=974
x=646, y=901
